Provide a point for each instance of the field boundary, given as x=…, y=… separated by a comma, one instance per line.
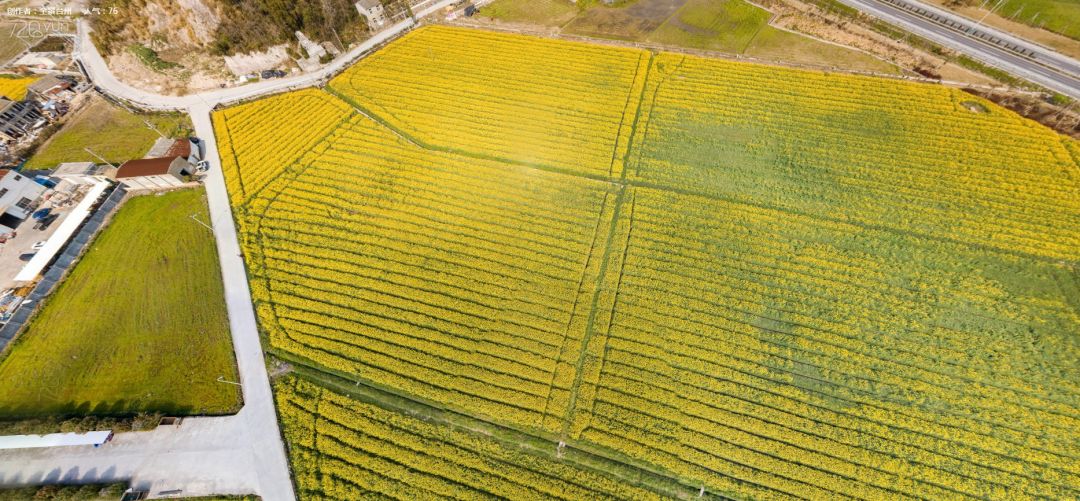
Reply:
x=456, y=151
x=582, y=457
x=727, y=56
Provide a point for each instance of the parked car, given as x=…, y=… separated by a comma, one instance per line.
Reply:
x=41, y=213
x=267, y=74
x=46, y=221
x=37, y=246
x=28, y=256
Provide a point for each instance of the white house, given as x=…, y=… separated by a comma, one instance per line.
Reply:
x=19, y=196
x=373, y=11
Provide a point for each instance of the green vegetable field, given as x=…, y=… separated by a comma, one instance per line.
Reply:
x=138, y=326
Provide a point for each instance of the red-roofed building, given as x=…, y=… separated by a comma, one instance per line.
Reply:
x=154, y=173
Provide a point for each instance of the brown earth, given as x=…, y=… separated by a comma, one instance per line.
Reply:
x=631, y=22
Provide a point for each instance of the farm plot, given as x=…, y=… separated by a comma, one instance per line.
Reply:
x=782, y=284
x=451, y=278
x=526, y=100
x=139, y=326
x=14, y=87
x=779, y=355
x=908, y=157
x=343, y=448
x=252, y=136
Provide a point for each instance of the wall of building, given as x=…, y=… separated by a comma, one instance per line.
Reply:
x=13, y=188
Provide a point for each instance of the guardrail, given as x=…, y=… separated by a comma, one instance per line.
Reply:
x=962, y=27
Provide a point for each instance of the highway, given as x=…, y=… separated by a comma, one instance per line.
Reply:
x=1049, y=69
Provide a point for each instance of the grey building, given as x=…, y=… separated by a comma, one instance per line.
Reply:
x=18, y=118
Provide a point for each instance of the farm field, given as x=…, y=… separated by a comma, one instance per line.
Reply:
x=102, y=345
x=1059, y=16
x=343, y=447
x=726, y=26
x=114, y=133
x=539, y=12
x=13, y=40
x=14, y=87
x=781, y=283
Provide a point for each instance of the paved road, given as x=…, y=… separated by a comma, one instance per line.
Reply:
x=1061, y=79
x=239, y=454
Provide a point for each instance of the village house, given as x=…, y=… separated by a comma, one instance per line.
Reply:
x=154, y=173
x=50, y=88
x=18, y=118
x=372, y=10
x=19, y=196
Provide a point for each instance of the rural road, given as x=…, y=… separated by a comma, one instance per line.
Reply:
x=1057, y=72
x=241, y=454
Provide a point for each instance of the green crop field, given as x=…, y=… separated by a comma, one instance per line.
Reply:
x=730, y=26
x=752, y=282
x=543, y=12
x=138, y=326
x=1060, y=16
x=111, y=132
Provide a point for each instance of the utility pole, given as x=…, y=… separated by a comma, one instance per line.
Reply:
x=221, y=379
x=150, y=125
x=202, y=223
x=88, y=150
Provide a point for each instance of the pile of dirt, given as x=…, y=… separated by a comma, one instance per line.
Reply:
x=1065, y=120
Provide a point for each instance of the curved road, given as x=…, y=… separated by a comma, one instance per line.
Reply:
x=240, y=454
x=1049, y=69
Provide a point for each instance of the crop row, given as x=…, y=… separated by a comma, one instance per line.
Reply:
x=451, y=278
x=527, y=100
x=755, y=349
x=914, y=162
x=342, y=448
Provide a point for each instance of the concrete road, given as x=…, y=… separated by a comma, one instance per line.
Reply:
x=239, y=454
x=1056, y=72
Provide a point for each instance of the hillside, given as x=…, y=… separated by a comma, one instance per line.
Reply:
x=223, y=27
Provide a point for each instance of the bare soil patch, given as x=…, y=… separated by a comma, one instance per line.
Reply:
x=632, y=22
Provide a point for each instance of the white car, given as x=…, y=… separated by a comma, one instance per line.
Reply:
x=38, y=246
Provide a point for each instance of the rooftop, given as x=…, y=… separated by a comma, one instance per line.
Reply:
x=75, y=169
x=167, y=147
x=144, y=167
x=47, y=83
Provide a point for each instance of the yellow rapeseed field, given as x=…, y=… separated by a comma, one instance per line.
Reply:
x=756, y=281
x=14, y=87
